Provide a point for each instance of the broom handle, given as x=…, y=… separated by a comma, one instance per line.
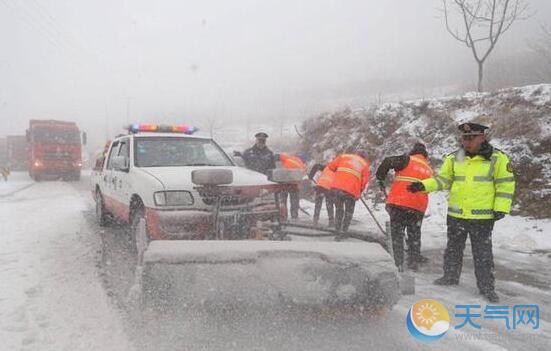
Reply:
x=372, y=215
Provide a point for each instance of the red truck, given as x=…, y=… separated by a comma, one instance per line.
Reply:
x=18, y=153
x=56, y=149
x=3, y=152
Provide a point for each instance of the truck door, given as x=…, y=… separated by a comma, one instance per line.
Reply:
x=107, y=184
x=120, y=180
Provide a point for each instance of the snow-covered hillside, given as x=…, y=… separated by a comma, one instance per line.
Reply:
x=520, y=119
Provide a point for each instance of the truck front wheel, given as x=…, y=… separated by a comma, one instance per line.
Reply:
x=101, y=213
x=139, y=239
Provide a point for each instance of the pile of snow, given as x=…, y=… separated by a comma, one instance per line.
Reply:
x=520, y=120
x=518, y=234
x=304, y=273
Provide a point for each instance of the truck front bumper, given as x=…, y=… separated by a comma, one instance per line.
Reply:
x=55, y=167
x=197, y=224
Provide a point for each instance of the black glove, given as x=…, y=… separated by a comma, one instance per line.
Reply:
x=498, y=215
x=416, y=187
x=381, y=184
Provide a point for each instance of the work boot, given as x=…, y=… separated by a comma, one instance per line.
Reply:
x=341, y=236
x=331, y=223
x=421, y=259
x=491, y=296
x=412, y=264
x=445, y=281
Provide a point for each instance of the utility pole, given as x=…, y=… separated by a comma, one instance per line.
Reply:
x=127, y=110
x=106, y=116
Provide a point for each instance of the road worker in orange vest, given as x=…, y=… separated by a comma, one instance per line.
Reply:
x=351, y=178
x=289, y=161
x=322, y=178
x=406, y=209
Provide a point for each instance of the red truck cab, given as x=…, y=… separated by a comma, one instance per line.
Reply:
x=56, y=149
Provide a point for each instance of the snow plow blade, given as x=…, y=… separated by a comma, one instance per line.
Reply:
x=222, y=274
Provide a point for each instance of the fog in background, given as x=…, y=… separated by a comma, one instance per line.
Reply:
x=104, y=63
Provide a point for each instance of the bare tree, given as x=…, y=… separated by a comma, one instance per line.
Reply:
x=482, y=24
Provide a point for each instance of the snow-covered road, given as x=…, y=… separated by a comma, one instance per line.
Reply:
x=63, y=282
x=50, y=294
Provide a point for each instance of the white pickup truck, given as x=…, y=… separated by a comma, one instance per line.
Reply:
x=171, y=187
x=174, y=181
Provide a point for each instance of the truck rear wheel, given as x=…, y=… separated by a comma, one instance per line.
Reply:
x=35, y=176
x=76, y=176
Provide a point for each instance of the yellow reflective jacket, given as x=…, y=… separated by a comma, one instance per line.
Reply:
x=478, y=186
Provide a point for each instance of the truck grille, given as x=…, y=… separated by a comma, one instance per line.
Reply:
x=227, y=201
x=55, y=155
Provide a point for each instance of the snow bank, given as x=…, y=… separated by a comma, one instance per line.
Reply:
x=512, y=234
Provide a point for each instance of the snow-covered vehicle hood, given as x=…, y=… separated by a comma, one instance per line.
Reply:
x=179, y=178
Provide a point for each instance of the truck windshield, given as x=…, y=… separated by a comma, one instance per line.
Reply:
x=56, y=136
x=171, y=151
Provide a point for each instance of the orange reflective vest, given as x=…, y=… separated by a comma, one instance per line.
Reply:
x=326, y=179
x=351, y=174
x=417, y=170
x=291, y=162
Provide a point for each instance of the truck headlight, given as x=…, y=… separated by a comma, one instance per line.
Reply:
x=266, y=196
x=173, y=198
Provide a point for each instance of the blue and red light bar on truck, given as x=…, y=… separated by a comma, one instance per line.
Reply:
x=160, y=128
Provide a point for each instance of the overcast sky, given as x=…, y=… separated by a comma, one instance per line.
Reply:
x=97, y=61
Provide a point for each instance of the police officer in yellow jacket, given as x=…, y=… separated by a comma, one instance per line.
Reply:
x=481, y=184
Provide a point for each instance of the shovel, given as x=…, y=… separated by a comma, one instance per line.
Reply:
x=405, y=279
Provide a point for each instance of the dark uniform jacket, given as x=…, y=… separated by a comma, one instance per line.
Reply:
x=397, y=163
x=318, y=167
x=259, y=159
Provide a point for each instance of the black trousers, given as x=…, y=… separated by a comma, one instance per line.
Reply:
x=322, y=193
x=480, y=233
x=344, y=209
x=402, y=219
x=295, y=202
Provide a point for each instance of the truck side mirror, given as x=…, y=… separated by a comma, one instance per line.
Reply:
x=239, y=162
x=28, y=136
x=84, y=138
